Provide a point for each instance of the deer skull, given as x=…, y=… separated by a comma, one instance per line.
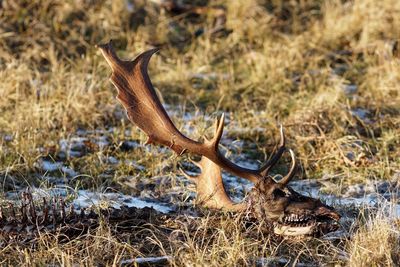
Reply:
x=292, y=214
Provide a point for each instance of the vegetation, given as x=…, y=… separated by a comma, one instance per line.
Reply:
x=329, y=71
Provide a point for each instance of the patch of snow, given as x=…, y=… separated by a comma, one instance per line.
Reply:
x=39, y=193
x=248, y=165
x=134, y=164
x=102, y=142
x=388, y=200
x=209, y=76
x=116, y=200
x=350, y=89
x=111, y=160
x=362, y=114
x=73, y=147
x=50, y=166
x=130, y=6
x=8, y=138
x=86, y=199
x=68, y=171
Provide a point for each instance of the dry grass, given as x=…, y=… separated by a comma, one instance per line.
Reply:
x=377, y=242
x=314, y=66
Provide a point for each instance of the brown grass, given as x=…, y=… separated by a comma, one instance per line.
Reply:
x=289, y=62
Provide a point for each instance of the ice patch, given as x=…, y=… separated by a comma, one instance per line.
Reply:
x=8, y=138
x=87, y=199
x=52, y=166
x=102, y=142
x=350, y=89
x=209, y=76
x=68, y=171
x=362, y=114
x=379, y=200
x=73, y=147
x=135, y=165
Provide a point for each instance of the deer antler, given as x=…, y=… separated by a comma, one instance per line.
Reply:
x=290, y=212
x=143, y=107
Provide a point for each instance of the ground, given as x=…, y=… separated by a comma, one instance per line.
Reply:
x=328, y=71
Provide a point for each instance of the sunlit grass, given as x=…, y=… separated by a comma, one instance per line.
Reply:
x=329, y=71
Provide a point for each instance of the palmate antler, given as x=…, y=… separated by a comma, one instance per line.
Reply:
x=143, y=107
x=276, y=202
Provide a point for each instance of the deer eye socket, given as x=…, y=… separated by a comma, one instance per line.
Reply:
x=278, y=193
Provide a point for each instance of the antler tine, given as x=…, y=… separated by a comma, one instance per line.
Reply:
x=113, y=60
x=219, y=130
x=278, y=154
x=288, y=177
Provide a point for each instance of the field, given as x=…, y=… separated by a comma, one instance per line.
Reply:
x=328, y=71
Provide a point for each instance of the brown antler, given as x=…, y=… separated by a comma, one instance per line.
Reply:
x=137, y=95
x=291, y=212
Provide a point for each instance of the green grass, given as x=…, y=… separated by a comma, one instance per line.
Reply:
x=284, y=62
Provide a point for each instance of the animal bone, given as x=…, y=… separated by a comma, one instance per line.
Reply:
x=21, y=224
x=271, y=201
